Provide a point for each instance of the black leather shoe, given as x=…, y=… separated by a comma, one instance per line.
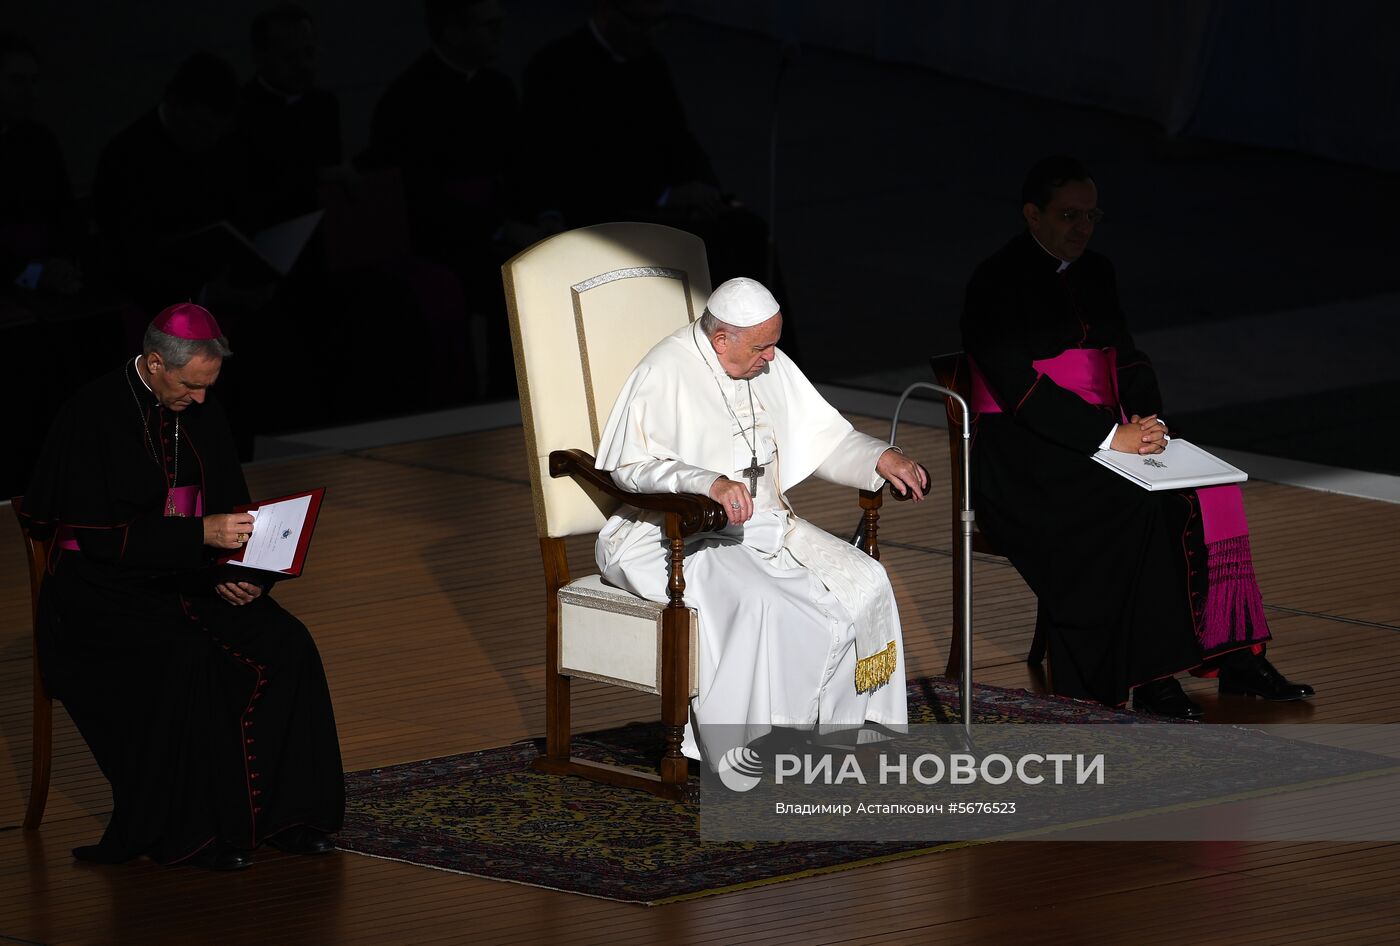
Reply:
x=1253, y=675
x=302, y=839
x=1165, y=698
x=220, y=856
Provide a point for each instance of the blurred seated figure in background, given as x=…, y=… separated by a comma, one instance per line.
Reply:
x=175, y=215
x=47, y=300
x=450, y=123
x=173, y=172
x=290, y=126
x=40, y=227
x=354, y=266
x=609, y=141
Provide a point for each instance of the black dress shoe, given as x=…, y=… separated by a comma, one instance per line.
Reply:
x=303, y=839
x=221, y=856
x=1252, y=675
x=1165, y=698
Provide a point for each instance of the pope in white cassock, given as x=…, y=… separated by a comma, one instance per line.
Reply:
x=797, y=628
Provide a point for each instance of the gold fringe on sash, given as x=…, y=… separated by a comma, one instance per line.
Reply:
x=875, y=671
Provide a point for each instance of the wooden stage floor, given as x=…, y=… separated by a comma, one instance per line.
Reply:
x=424, y=593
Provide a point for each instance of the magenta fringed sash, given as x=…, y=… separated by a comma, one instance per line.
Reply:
x=1234, y=611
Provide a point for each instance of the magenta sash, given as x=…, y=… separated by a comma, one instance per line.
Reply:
x=1091, y=373
x=1234, y=609
x=187, y=501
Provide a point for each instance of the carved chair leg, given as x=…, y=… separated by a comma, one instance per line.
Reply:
x=556, y=693
x=41, y=760
x=558, y=725
x=675, y=663
x=870, y=504
x=675, y=692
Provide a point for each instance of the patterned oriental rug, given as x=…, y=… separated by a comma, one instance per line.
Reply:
x=487, y=814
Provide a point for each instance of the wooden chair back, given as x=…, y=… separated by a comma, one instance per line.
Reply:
x=584, y=307
x=37, y=554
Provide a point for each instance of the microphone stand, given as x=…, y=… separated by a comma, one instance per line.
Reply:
x=966, y=518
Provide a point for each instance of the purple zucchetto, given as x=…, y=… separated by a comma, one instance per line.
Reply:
x=187, y=320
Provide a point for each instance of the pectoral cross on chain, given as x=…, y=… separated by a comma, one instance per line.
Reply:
x=752, y=473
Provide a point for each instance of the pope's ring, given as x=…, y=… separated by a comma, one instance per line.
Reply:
x=242, y=537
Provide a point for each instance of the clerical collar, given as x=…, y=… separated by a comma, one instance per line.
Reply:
x=442, y=58
x=1064, y=264
x=607, y=48
x=136, y=364
x=288, y=98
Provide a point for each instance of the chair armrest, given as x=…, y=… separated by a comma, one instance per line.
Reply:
x=697, y=513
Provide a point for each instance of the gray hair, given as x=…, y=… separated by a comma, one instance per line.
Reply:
x=711, y=325
x=177, y=352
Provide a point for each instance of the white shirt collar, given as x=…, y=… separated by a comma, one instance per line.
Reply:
x=137, y=365
x=1064, y=263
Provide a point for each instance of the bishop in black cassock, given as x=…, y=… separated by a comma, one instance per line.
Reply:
x=211, y=719
x=1130, y=589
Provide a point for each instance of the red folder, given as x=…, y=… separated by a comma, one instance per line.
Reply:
x=304, y=542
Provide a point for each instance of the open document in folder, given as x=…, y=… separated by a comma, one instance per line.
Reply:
x=281, y=533
x=1182, y=465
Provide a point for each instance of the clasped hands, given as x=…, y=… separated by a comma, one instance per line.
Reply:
x=1141, y=435
x=231, y=531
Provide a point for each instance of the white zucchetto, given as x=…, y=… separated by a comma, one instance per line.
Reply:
x=742, y=302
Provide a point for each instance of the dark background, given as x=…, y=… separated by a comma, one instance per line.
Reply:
x=1245, y=153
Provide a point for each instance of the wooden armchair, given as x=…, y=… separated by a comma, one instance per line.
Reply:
x=951, y=370
x=585, y=306
x=41, y=757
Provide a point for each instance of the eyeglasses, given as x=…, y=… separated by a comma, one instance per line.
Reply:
x=1074, y=215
